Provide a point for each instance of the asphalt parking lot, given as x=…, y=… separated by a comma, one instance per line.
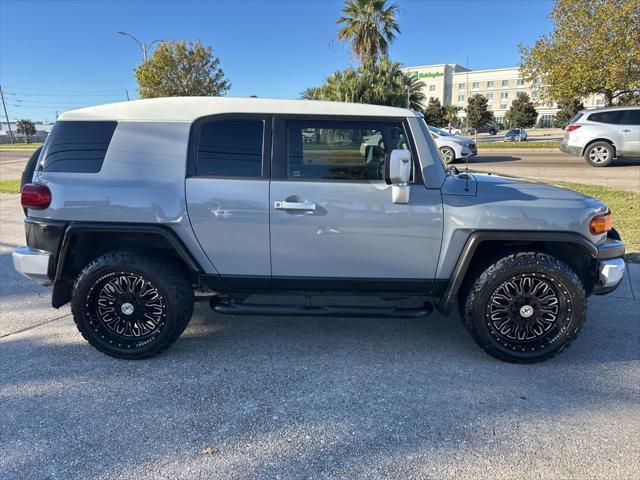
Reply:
x=265, y=397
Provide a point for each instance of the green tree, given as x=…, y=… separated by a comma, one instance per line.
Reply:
x=478, y=112
x=434, y=113
x=629, y=98
x=594, y=48
x=181, y=69
x=522, y=113
x=567, y=109
x=381, y=84
x=368, y=26
x=27, y=128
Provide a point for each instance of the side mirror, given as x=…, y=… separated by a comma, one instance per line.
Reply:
x=399, y=175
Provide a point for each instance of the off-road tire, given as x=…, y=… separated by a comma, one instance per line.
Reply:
x=163, y=278
x=591, y=154
x=482, y=310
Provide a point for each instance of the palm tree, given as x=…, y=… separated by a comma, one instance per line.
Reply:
x=451, y=114
x=311, y=93
x=369, y=26
x=27, y=128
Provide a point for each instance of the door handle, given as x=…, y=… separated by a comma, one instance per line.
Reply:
x=284, y=205
x=626, y=130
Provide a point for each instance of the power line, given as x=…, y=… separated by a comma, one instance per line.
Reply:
x=64, y=94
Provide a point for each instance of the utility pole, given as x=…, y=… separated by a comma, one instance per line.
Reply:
x=467, y=95
x=127, y=92
x=145, y=47
x=6, y=115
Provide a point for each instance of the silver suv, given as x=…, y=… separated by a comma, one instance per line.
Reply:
x=600, y=136
x=136, y=207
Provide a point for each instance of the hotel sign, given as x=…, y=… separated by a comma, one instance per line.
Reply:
x=418, y=75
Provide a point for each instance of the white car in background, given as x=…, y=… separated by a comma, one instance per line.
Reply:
x=453, y=147
x=452, y=130
x=601, y=135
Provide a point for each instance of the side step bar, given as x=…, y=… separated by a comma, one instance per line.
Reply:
x=323, y=311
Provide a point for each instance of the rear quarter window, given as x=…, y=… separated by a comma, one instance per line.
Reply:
x=77, y=146
x=577, y=117
x=614, y=117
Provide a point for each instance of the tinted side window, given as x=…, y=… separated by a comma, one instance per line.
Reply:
x=341, y=150
x=77, y=147
x=614, y=117
x=632, y=117
x=230, y=148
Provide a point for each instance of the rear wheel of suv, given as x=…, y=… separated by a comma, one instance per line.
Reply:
x=599, y=154
x=524, y=308
x=132, y=305
x=448, y=154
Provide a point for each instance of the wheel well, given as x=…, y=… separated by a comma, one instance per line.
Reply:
x=573, y=254
x=606, y=140
x=82, y=247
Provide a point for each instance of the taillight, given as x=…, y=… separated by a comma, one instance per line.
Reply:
x=572, y=127
x=601, y=224
x=35, y=196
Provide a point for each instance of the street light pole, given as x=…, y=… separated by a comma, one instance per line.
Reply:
x=145, y=47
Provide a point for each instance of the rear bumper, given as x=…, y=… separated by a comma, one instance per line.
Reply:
x=33, y=264
x=570, y=149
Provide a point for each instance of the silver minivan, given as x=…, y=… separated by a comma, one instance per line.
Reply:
x=602, y=135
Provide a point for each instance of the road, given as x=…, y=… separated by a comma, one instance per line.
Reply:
x=552, y=165
x=12, y=163
x=285, y=398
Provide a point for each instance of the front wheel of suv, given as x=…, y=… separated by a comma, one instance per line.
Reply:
x=132, y=305
x=599, y=154
x=524, y=308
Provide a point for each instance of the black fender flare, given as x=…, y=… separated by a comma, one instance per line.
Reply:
x=61, y=287
x=448, y=298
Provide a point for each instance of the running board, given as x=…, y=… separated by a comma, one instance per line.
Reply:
x=323, y=311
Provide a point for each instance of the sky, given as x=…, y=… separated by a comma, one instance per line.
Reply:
x=60, y=55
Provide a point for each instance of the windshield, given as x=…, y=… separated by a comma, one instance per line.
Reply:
x=439, y=131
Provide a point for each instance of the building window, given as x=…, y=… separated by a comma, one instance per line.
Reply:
x=475, y=85
x=505, y=83
x=461, y=98
x=504, y=95
x=503, y=106
x=536, y=81
x=520, y=82
x=600, y=103
x=547, y=120
x=534, y=95
x=432, y=88
x=461, y=86
x=489, y=96
x=499, y=119
x=490, y=84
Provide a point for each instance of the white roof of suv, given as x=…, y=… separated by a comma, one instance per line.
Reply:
x=188, y=109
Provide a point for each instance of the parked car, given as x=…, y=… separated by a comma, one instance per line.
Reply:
x=452, y=130
x=135, y=206
x=489, y=128
x=515, y=135
x=602, y=135
x=453, y=147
